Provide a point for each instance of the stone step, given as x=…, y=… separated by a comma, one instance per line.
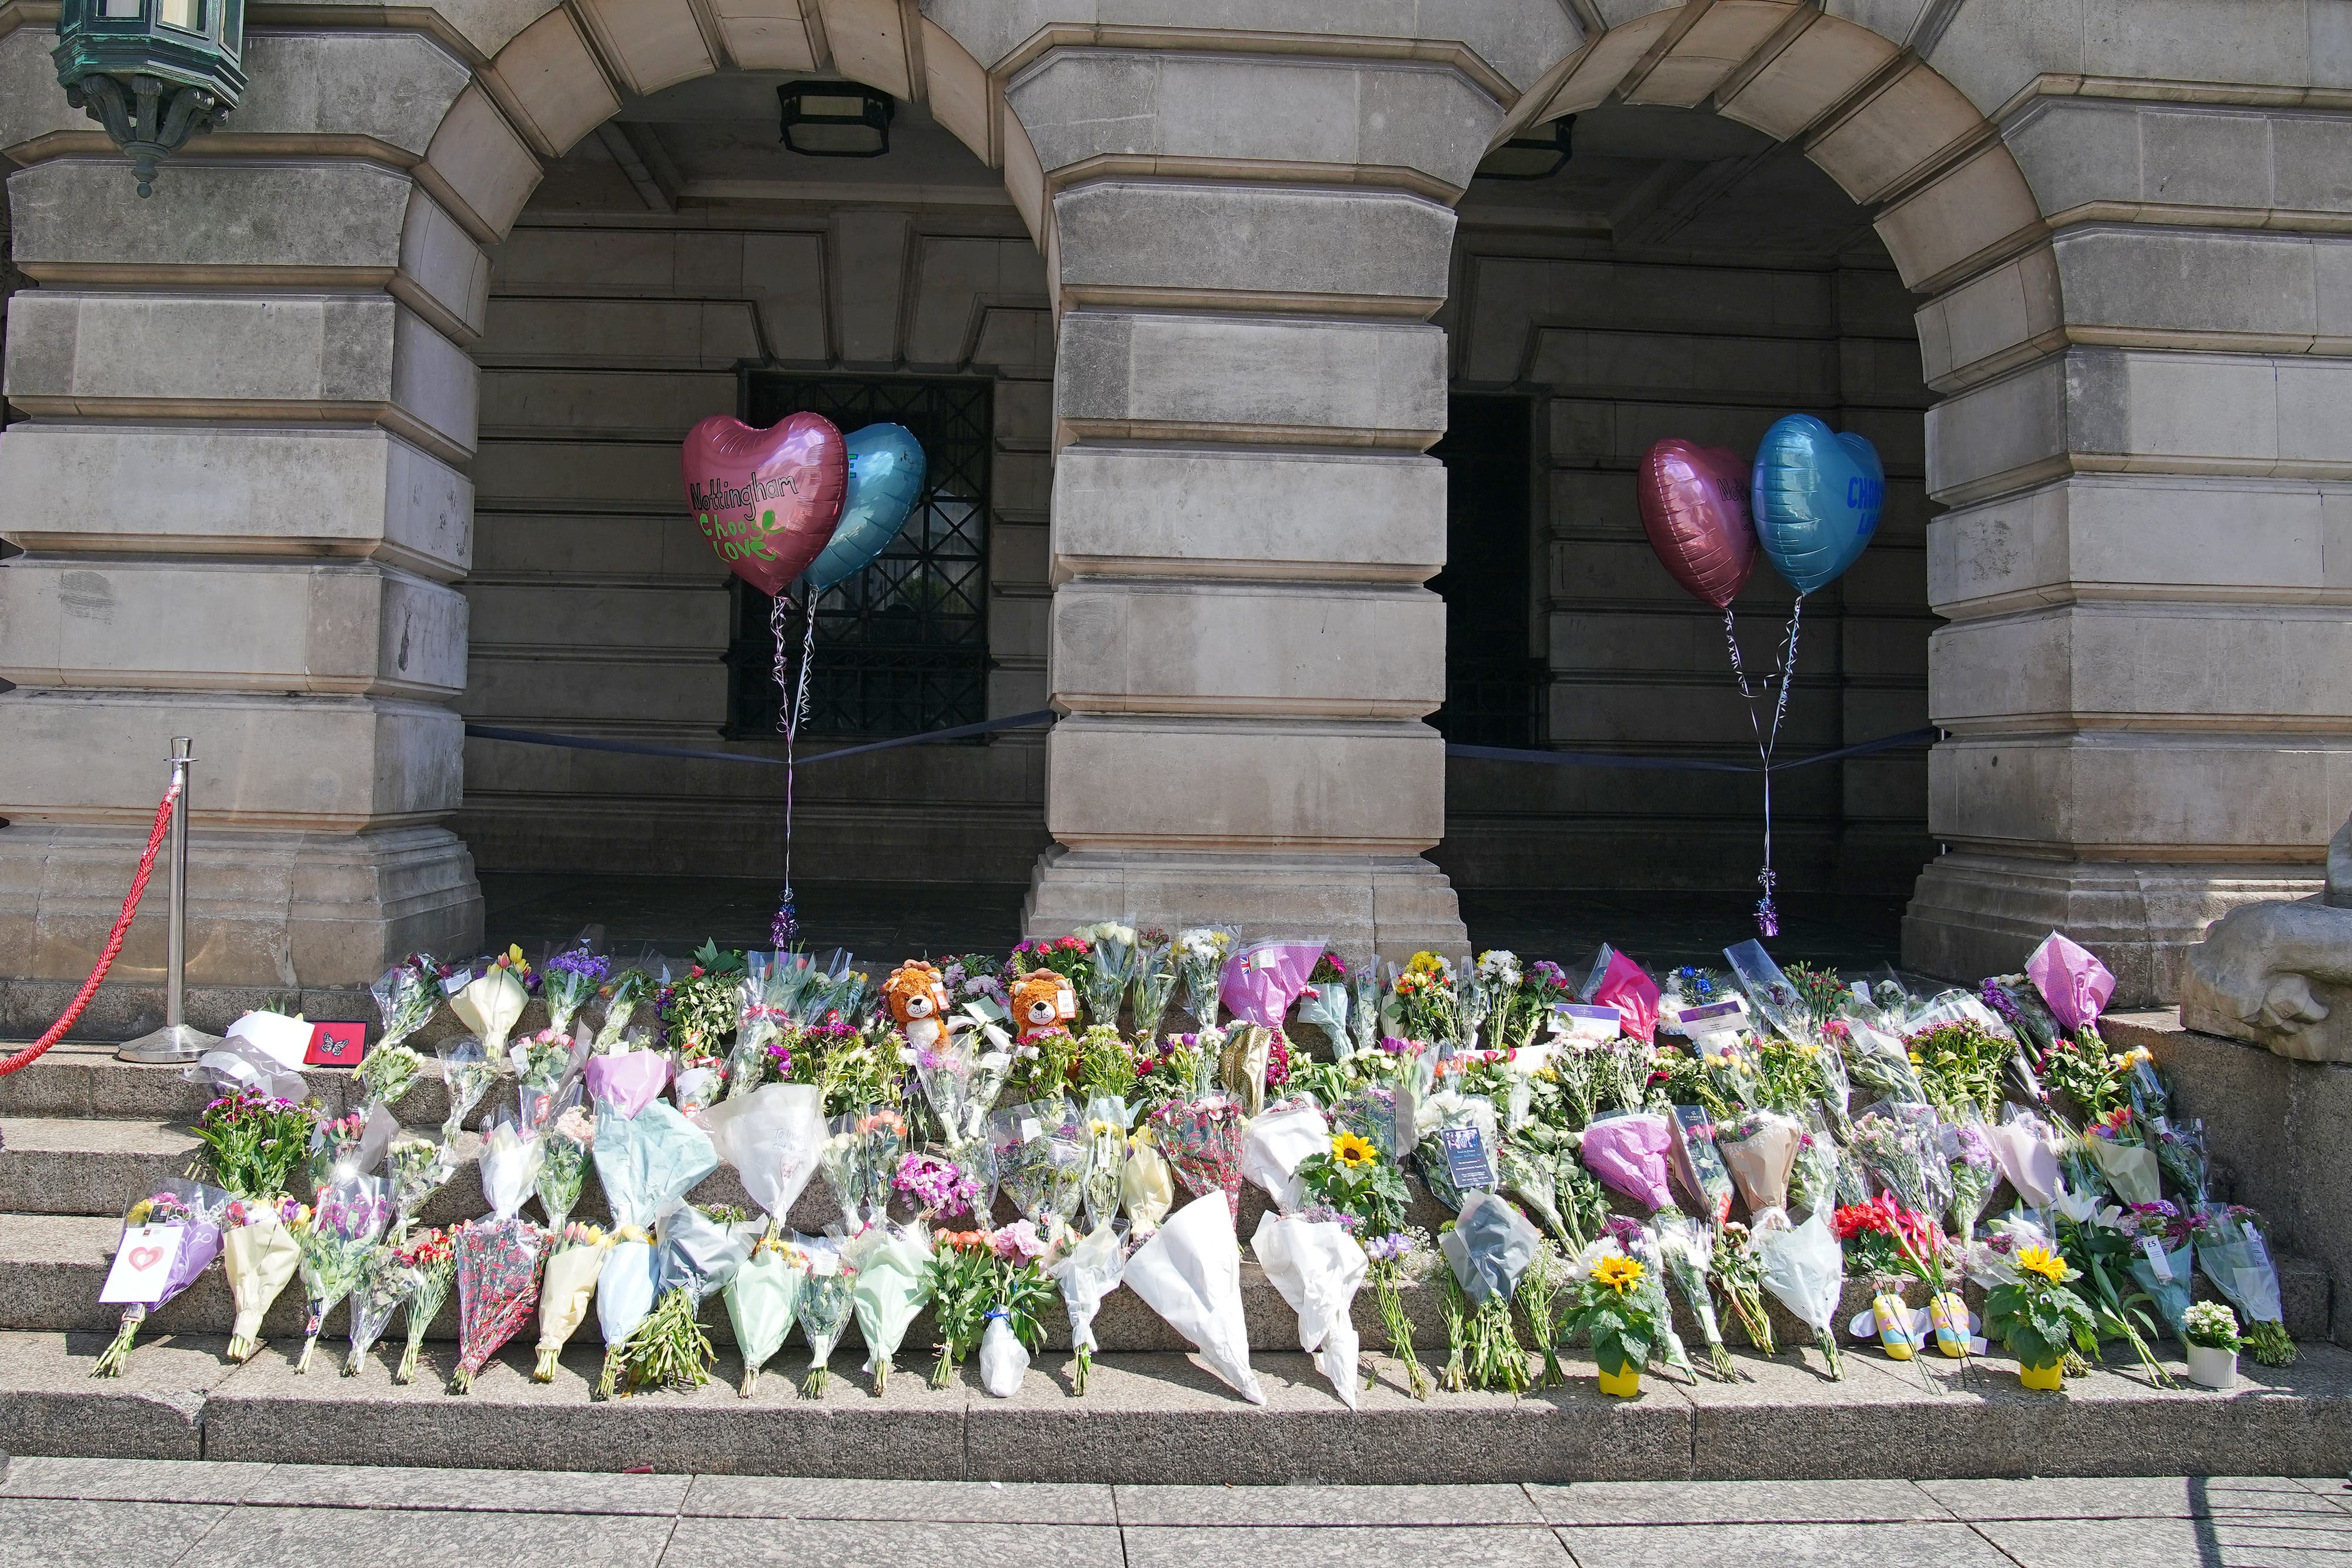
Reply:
x=1160, y=1417
x=83, y=1079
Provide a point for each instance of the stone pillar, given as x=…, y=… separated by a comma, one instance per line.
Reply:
x=241, y=413
x=1247, y=248
x=2146, y=676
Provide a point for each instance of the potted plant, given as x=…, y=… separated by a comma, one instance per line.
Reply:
x=1623, y=1327
x=2210, y=1328
x=2037, y=1317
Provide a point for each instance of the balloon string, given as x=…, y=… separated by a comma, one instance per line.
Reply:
x=1767, y=918
x=793, y=698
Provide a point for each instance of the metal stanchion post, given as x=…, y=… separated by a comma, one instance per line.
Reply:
x=176, y=1040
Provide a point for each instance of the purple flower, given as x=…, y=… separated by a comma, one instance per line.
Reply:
x=1623, y=1229
x=936, y=1186
x=591, y=966
x=1384, y=1249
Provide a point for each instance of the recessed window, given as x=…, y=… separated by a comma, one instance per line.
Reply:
x=121, y=10
x=902, y=647
x=187, y=13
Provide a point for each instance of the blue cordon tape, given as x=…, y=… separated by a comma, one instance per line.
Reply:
x=1045, y=716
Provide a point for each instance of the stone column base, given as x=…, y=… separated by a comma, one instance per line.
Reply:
x=1975, y=914
x=1363, y=906
x=271, y=915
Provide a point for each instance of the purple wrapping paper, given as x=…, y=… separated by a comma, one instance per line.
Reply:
x=2075, y=984
x=628, y=1082
x=1262, y=980
x=1628, y=1154
x=198, y=1248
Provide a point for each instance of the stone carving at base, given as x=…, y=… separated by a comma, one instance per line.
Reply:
x=2280, y=974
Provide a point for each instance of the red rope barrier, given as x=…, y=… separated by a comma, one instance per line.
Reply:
x=56, y=1032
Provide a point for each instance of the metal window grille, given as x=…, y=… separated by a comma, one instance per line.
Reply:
x=903, y=645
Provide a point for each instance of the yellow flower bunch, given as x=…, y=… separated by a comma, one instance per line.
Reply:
x=1618, y=1273
x=2042, y=1261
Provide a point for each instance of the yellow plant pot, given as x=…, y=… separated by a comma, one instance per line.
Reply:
x=2049, y=1378
x=1624, y=1385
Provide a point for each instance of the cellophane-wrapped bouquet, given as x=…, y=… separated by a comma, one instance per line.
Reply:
x=468, y=1070
x=336, y=1243
x=336, y=1144
x=406, y=995
x=1201, y=1139
x=824, y=1306
x=1110, y=968
x=694, y=1256
x=575, y=1255
x=1154, y=981
x=1803, y=1267
x=544, y=1064
x=499, y=1256
x=568, y=982
x=374, y=1299
x=1041, y=1150
x=1489, y=1247
x=428, y=1266
x=647, y=1163
x=961, y=1074
x=416, y=1165
x=564, y=1148
x=183, y=1217
x=1687, y=1253
x=1200, y=958
x=893, y=1281
x=762, y=1302
x=2233, y=1254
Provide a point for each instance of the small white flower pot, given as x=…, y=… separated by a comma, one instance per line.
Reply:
x=2212, y=1368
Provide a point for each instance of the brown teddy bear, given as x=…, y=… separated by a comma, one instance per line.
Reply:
x=1043, y=1002
x=917, y=998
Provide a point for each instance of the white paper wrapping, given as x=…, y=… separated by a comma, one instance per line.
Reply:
x=1190, y=1273
x=1277, y=1143
x=1318, y=1267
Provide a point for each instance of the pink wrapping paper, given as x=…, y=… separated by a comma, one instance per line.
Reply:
x=627, y=1082
x=1628, y=1154
x=2075, y=984
x=1202, y=1139
x=1633, y=994
x=1262, y=980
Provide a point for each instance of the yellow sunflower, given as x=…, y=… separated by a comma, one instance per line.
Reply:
x=1617, y=1273
x=1352, y=1150
x=2042, y=1261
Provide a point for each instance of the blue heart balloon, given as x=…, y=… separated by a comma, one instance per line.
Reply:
x=885, y=478
x=1815, y=495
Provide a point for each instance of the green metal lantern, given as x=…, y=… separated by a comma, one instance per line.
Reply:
x=154, y=72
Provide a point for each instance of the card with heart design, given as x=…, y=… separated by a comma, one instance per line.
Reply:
x=142, y=1264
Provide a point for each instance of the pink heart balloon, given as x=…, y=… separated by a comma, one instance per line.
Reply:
x=1693, y=502
x=766, y=499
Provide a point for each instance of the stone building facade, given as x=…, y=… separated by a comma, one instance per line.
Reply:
x=363, y=426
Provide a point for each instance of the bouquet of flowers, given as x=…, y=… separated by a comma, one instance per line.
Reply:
x=760, y=1301
x=773, y=1138
x=406, y=995
x=1488, y=1248
x=961, y=1076
x=576, y=1255
x=1110, y=968
x=1686, y=1251
x=1088, y=1272
x=893, y=1281
x=1968, y=1152
x=1277, y=1143
x=1324, y=1004
x=695, y=1256
x=428, y=1265
x=1154, y=977
x=2026, y=1145
x=1364, y=1009
x=1317, y=1268
x=468, y=1069
x=2180, y=1151
x=861, y=1156
x=417, y=1166
x=2115, y=1142
x=622, y=996
x=698, y=1010
x=1106, y=1119
x=1422, y=1004
x=373, y=1300
x=1260, y=982
x=1877, y=1061
x=499, y=1256
x=1738, y=1274
x=1203, y=1139
x=335, y=1244
x=1456, y=1156
x=1147, y=1188
x=2233, y=1254
x=564, y=1144
x=1190, y=1273
x=1759, y=1149
x=568, y=981
x=543, y=1065
x=825, y=1307
x=1628, y=1154
x=168, y=1240
x=967, y=1275
x=935, y=1185
x=1201, y=953
x=491, y=1002
x=647, y=1163
x=1906, y=1156
x=336, y=1147
x=1803, y=1268
x=254, y=1145
x=259, y=1255
x=2165, y=1238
